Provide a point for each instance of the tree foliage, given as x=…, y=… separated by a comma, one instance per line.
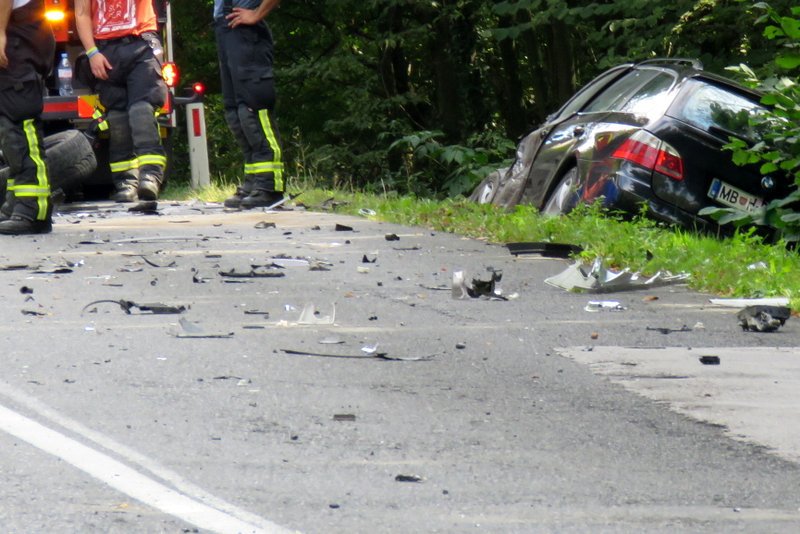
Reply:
x=360, y=80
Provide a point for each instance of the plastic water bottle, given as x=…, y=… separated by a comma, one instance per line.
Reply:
x=64, y=75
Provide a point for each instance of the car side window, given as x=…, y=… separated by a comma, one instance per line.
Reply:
x=618, y=93
x=652, y=99
x=588, y=92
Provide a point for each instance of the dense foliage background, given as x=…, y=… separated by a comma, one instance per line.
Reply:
x=420, y=95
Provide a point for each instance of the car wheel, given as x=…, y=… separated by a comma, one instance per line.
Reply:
x=487, y=189
x=70, y=160
x=566, y=194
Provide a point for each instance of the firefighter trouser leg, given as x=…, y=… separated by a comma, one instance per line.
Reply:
x=263, y=165
x=150, y=156
x=124, y=167
x=232, y=118
x=22, y=146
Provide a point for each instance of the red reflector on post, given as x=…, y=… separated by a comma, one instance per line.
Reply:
x=197, y=128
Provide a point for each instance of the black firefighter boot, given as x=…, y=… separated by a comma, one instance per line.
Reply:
x=22, y=223
x=125, y=189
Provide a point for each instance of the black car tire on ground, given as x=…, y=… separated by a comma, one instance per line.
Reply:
x=485, y=192
x=70, y=160
x=565, y=195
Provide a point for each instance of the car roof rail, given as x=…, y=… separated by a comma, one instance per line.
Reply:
x=694, y=63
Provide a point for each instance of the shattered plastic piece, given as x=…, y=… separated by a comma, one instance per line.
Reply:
x=600, y=305
x=366, y=212
x=741, y=303
x=407, y=478
x=33, y=313
x=331, y=341
x=547, y=250
x=392, y=237
x=377, y=356
x=127, y=306
x=349, y=417
x=367, y=259
x=195, y=331
x=665, y=330
x=370, y=349
x=309, y=316
x=709, y=360
x=256, y=271
x=478, y=288
x=261, y=225
x=763, y=318
x=154, y=264
x=362, y=270
x=343, y=228
x=597, y=279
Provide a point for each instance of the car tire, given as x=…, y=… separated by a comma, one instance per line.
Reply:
x=485, y=192
x=70, y=160
x=565, y=195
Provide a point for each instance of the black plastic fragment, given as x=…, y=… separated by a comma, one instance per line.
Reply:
x=407, y=478
x=665, y=331
x=548, y=250
x=153, y=308
x=709, y=360
x=763, y=318
x=343, y=228
x=392, y=237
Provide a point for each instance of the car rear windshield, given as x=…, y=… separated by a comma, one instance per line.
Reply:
x=716, y=109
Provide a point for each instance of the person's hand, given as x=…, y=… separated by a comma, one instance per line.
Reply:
x=241, y=15
x=3, y=56
x=100, y=66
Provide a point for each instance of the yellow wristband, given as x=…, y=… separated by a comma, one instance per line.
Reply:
x=92, y=51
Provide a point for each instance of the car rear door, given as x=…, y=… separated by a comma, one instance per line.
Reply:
x=566, y=133
x=556, y=137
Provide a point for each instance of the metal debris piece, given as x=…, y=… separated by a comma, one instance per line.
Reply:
x=349, y=417
x=709, y=360
x=763, y=318
x=33, y=313
x=256, y=312
x=331, y=341
x=665, y=330
x=547, y=250
x=604, y=305
x=742, y=303
x=127, y=306
x=262, y=225
x=598, y=279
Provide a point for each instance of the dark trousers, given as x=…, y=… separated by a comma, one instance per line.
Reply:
x=30, y=50
x=131, y=96
x=248, y=94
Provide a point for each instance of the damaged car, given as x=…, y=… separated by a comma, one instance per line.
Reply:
x=650, y=133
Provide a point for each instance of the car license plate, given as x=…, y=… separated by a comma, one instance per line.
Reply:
x=734, y=197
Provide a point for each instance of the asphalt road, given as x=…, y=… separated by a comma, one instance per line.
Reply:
x=397, y=409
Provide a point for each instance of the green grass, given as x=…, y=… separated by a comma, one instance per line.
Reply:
x=737, y=266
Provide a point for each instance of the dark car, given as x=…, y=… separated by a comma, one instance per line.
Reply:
x=651, y=132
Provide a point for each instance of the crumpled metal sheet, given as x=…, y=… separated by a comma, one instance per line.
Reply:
x=596, y=278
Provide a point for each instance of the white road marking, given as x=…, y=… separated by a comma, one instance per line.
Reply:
x=191, y=504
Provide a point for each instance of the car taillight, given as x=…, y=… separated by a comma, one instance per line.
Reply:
x=170, y=74
x=652, y=153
